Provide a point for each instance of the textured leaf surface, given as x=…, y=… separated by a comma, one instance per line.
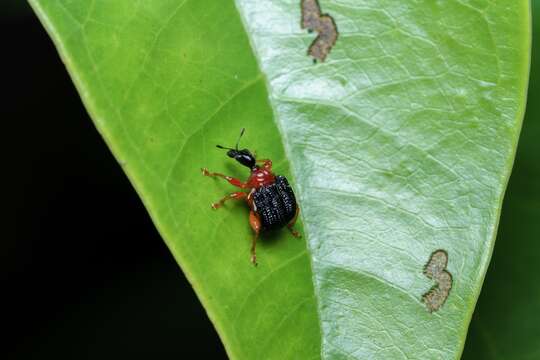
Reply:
x=400, y=144
x=506, y=322
x=414, y=122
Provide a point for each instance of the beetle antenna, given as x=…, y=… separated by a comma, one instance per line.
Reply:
x=238, y=141
x=223, y=147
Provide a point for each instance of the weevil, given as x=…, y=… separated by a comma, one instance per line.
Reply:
x=270, y=198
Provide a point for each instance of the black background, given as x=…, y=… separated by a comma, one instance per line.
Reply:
x=84, y=273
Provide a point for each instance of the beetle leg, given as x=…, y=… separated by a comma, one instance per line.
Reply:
x=290, y=225
x=231, y=180
x=234, y=196
x=255, y=223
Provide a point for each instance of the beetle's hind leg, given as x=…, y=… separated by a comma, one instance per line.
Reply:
x=234, y=196
x=255, y=223
x=290, y=225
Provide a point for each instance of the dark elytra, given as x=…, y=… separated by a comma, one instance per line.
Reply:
x=275, y=204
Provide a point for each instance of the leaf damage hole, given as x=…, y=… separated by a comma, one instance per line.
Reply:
x=323, y=24
x=435, y=269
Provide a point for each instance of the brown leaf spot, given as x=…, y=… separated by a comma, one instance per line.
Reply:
x=323, y=24
x=436, y=269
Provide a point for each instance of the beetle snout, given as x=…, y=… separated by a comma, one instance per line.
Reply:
x=232, y=153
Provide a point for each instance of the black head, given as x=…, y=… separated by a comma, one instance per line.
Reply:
x=244, y=156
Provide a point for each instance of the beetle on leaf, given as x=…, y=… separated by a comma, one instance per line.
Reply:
x=270, y=197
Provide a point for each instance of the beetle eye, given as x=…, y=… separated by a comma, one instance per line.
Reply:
x=232, y=153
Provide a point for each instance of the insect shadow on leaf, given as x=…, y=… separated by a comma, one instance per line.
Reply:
x=323, y=24
x=435, y=269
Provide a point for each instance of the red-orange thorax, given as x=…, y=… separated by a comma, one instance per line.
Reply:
x=260, y=177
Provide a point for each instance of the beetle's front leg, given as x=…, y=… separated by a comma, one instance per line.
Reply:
x=231, y=180
x=234, y=196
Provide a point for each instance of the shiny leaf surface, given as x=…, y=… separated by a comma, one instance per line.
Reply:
x=506, y=323
x=413, y=120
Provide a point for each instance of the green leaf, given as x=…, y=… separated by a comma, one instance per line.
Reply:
x=399, y=144
x=506, y=323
